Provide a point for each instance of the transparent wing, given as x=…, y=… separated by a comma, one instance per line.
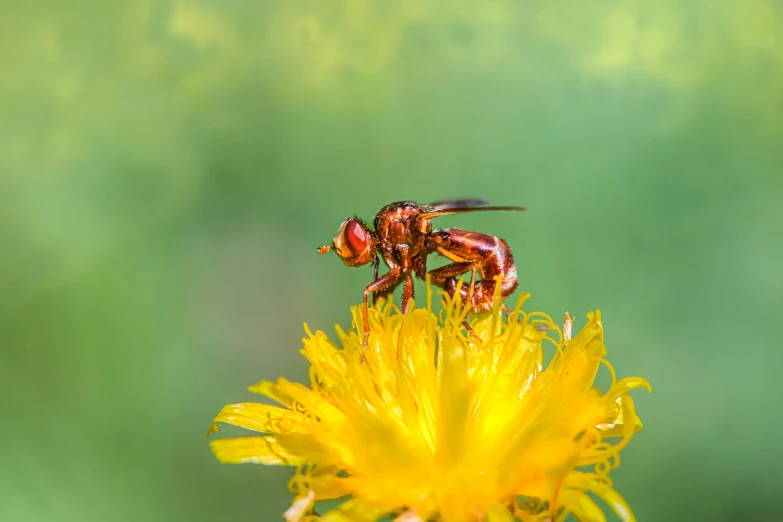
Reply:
x=437, y=212
x=456, y=203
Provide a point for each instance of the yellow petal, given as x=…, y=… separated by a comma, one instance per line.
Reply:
x=498, y=514
x=325, y=358
x=269, y=389
x=313, y=402
x=261, y=417
x=329, y=486
x=616, y=502
x=254, y=450
x=454, y=397
x=626, y=416
x=354, y=510
x=584, y=509
x=592, y=482
x=627, y=384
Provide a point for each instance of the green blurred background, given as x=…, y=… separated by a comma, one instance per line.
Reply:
x=166, y=169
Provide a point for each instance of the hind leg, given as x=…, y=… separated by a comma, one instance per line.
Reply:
x=446, y=278
x=440, y=276
x=490, y=255
x=478, y=295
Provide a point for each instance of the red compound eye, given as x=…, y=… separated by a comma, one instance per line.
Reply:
x=356, y=238
x=354, y=243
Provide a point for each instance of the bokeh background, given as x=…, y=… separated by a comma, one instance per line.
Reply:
x=167, y=168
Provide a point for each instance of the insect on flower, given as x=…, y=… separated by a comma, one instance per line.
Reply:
x=402, y=234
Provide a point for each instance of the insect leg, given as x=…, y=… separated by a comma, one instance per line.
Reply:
x=472, y=287
x=440, y=276
x=491, y=257
x=384, y=294
x=379, y=285
x=445, y=277
x=407, y=294
x=377, y=295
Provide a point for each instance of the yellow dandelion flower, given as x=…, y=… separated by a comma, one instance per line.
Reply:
x=431, y=422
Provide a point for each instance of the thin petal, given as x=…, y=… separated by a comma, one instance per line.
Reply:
x=269, y=389
x=616, y=502
x=261, y=417
x=330, y=486
x=581, y=358
x=627, y=384
x=591, y=482
x=585, y=509
x=313, y=402
x=498, y=514
x=454, y=400
x=254, y=450
x=626, y=417
x=326, y=360
x=354, y=510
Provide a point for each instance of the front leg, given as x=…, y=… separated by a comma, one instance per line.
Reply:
x=385, y=293
x=379, y=285
x=404, y=255
x=407, y=294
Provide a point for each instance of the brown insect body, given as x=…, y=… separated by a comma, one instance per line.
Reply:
x=404, y=238
x=490, y=256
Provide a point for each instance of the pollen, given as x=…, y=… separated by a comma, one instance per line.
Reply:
x=434, y=421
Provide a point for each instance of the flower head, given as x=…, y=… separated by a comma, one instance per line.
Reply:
x=433, y=421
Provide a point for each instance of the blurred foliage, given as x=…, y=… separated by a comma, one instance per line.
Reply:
x=166, y=169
